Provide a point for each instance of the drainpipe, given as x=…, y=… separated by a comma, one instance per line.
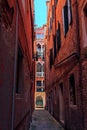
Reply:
x=15, y=67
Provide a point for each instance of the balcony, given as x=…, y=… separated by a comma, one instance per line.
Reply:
x=39, y=55
x=40, y=89
x=39, y=74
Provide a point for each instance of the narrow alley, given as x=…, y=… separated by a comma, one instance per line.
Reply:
x=42, y=120
x=43, y=64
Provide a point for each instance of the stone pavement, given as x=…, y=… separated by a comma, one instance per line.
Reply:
x=42, y=120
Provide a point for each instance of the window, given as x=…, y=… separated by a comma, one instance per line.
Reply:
x=42, y=89
x=38, y=83
x=20, y=72
x=38, y=90
x=58, y=37
x=48, y=32
x=54, y=42
x=53, y=10
x=72, y=90
x=67, y=16
x=85, y=16
x=43, y=48
x=36, y=56
x=51, y=58
x=69, y=12
x=43, y=68
x=39, y=36
x=39, y=67
x=40, y=52
x=43, y=83
x=65, y=19
x=50, y=24
x=39, y=48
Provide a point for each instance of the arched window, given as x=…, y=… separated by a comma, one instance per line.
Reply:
x=38, y=48
x=39, y=67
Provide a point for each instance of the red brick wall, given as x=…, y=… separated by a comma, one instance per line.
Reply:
x=63, y=67
x=7, y=43
x=24, y=104
x=83, y=47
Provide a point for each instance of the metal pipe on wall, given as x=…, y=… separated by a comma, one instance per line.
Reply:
x=15, y=67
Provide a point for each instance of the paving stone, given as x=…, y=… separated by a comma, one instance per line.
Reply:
x=42, y=120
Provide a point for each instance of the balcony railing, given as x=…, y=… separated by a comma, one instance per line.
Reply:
x=39, y=74
x=42, y=86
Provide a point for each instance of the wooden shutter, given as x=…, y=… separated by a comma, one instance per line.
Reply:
x=50, y=24
x=53, y=12
x=54, y=42
x=51, y=58
x=58, y=37
x=65, y=19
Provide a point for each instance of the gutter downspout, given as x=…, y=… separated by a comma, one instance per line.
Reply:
x=15, y=67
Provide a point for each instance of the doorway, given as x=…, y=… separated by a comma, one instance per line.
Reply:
x=61, y=103
x=39, y=102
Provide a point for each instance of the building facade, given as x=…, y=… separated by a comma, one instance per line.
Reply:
x=16, y=64
x=39, y=51
x=65, y=62
x=82, y=16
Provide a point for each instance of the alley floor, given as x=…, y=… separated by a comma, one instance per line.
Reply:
x=42, y=120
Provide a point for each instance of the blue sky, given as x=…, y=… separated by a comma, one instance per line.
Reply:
x=40, y=12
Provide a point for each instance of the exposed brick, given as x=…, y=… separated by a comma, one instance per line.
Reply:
x=70, y=59
x=23, y=107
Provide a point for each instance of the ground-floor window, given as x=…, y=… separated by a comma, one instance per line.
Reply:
x=72, y=90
